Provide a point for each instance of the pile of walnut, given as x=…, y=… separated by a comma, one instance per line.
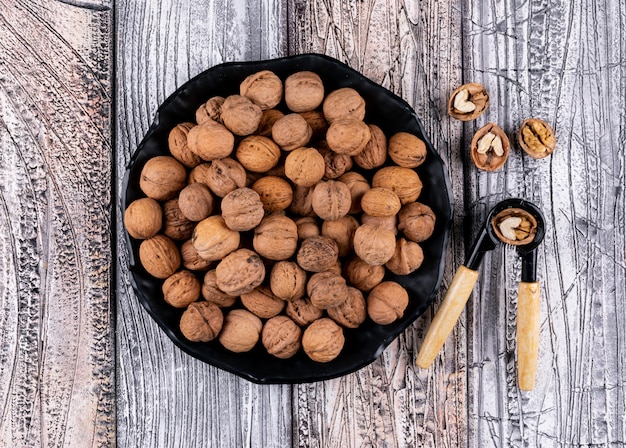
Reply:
x=265, y=215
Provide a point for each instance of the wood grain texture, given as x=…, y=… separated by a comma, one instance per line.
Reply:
x=56, y=345
x=166, y=398
x=564, y=62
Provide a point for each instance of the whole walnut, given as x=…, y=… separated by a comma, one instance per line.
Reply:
x=275, y=192
x=211, y=140
x=362, y=275
x=416, y=221
x=304, y=91
x=268, y=119
x=342, y=231
x=301, y=204
x=143, y=218
x=375, y=152
x=380, y=202
x=387, y=302
x=159, y=256
x=352, y=312
x=318, y=254
x=307, y=227
x=302, y=311
x=241, y=331
x=323, y=340
x=348, y=136
x=177, y=143
x=276, y=237
x=162, y=177
x=224, y=175
x=175, y=224
x=201, y=322
x=291, y=131
x=407, y=150
x=318, y=123
x=257, y=153
x=327, y=289
x=288, y=280
x=331, y=199
x=192, y=259
x=358, y=185
x=239, y=272
x=305, y=166
x=264, y=89
x=196, y=202
x=181, y=288
x=344, y=103
x=212, y=293
x=404, y=182
x=262, y=302
x=373, y=244
x=407, y=258
x=281, y=337
x=240, y=115
x=213, y=239
x=388, y=222
x=335, y=164
x=242, y=209
x=211, y=110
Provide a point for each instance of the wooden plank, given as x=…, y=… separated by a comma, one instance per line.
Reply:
x=56, y=339
x=166, y=398
x=415, y=51
x=564, y=62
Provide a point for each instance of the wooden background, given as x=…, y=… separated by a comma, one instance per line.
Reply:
x=82, y=364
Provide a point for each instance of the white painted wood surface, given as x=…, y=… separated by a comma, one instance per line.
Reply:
x=62, y=258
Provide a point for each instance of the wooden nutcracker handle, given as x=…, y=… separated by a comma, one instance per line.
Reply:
x=528, y=308
x=447, y=315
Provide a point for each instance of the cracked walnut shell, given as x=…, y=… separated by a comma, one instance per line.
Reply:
x=490, y=147
x=468, y=102
x=536, y=138
x=323, y=340
x=201, y=322
x=242, y=209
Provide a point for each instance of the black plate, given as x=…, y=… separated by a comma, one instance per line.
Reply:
x=364, y=344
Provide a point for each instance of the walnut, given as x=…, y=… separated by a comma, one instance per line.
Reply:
x=305, y=166
x=257, y=153
x=212, y=293
x=375, y=152
x=342, y=231
x=304, y=91
x=143, y=218
x=407, y=150
x=352, y=312
x=404, y=182
x=331, y=199
x=240, y=115
x=490, y=147
x=388, y=222
x=181, y=288
x=468, y=101
x=268, y=119
x=301, y=204
x=223, y=176
x=242, y=209
x=213, y=239
x=211, y=110
x=241, y=331
x=416, y=221
x=288, y=280
x=262, y=302
x=317, y=254
x=162, y=177
x=275, y=193
x=387, y=302
x=201, y=322
x=536, y=137
x=374, y=245
x=264, y=89
x=317, y=122
x=335, y=164
x=380, y=202
x=302, y=311
x=281, y=337
x=211, y=140
x=327, y=289
x=177, y=143
x=348, y=136
x=291, y=131
x=344, y=103
x=175, y=224
x=191, y=259
x=276, y=237
x=307, y=227
x=196, y=202
x=362, y=275
x=407, y=258
x=239, y=272
x=358, y=185
x=159, y=256
x=323, y=340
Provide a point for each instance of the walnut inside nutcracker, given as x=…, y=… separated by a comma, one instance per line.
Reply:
x=242, y=209
x=276, y=237
x=143, y=218
x=281, y=337
x=468, y=101
x=515, y=226
x=387, y=302
x=536, y=138
x=490, y=147
x=201, y=322
x=241, y=331
x=323, y=340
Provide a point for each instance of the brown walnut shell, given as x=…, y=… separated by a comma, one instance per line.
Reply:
x=317, y=122
x=342, y=231
x=407, y=258
x=242, y=209
x=181, y=288
x=211, y=140
x=407, y=150
x=490, y=147
x=388, y=222
x=362, y=275
x=335, y=164
x=358, y=185
x=257, y=153
x=223, y=176
x=192, y=259
x=471, y=101
x=276, y=237
x=213, y=239
x=374, y=245
x=323, y=340
x=301, y=204
x=515, y=226
x=264, y=89
x=239, y=272
x=304, y=91
x=352, y=312
x=307, y=227
x=387, y=302
x=288, y=280
x=281, y=337
x=201, y=322
x=262, y=302
x=326, y=289
x=177, y=143
x=240, y=115
x=268, y=119
x=305, y=166
x=241, y=331
x=404, y=182
x=380, y=202
x=318, y=254
x=344, y=103
x=416, y=221
x=348, y=136
x=536, y=138
x=212, y=293
x=175, y=224
x=196, y=202
x=275, y=192
x=162, y=177
x=375, y=152
x=331, y=199
x=210, y=111
x=302, y=311
x=159, y=256
x=143, y=218
x=291, y=131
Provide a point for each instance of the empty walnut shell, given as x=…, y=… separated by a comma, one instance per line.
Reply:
x=536, y=138
x=317, y=254
x=257, y=153
x=159, y=256
x=348, y=136
x=264, y=89
x=162, y=177
x=240, y=115
x=407, y=150
x=375, y=152
x=490, y=147
x=239, y=272
x=210, y=111
x=358, y=185
x=380, y=202
x=352, y=312
x=201, y=322
x=342, y=231
x=374, y=245
x=177, y=143
x=404, y=182
x=192, y=259
x=304, y=91
x=262, y=302
x=223, y=176
x=212, y=293
x=143, y=218
x=175, y=224
x=323, y=340
x=326, y=289
x=213, y=239
x=331, y=199
x=407, y=258
x=288, y=280
x=281, y=337
x=468, y=101
x=275, y=192
x=211, y=140
x=344, y=103
x=241, y=331
x=196, y=202
x=291, y=131
x=305, y=166
x=302, y=311
x=362, y=275
x=242, y=209
x=276, y=237
x=181, y=288
x=416, y=221
x=387, y=302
